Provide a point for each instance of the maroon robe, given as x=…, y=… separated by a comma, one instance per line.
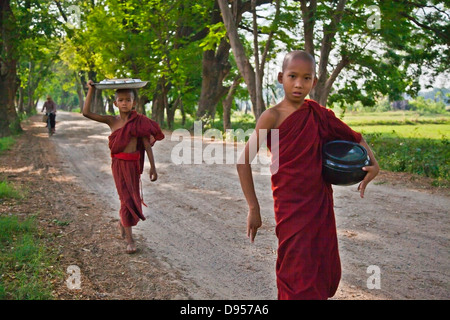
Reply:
x=128, y=167
x=308, y=264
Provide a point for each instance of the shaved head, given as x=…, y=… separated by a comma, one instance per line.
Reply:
x=298, y=54
x=132, y=91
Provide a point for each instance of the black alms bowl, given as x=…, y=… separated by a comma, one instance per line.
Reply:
x=343, y=162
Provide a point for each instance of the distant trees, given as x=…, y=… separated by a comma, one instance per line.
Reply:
x=198, y=54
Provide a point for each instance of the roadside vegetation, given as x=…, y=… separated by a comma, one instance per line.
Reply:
x=414, y=140
x=27, y=263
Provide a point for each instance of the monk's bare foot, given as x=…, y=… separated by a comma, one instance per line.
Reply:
x=121, y=231
x=131, y=248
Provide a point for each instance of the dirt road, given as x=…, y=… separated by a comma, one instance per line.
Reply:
x=196, y=225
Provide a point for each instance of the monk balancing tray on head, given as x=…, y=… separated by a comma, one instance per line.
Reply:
x=132, y=135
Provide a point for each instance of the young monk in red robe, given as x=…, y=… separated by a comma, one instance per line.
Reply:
x=308, y=264
x=132, y=135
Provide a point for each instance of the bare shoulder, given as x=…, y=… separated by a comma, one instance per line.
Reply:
x=113, y=119
x=115, y=123
x=110, y=120
x=268, y=118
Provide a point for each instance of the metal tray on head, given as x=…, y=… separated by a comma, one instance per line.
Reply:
x=120, y=84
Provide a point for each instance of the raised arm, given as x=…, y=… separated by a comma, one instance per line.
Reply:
x=87, y=107
x=266, y=121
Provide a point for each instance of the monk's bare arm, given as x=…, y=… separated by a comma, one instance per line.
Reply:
x=372, y=170
x=87, y=107
x=266, y=121
x=148, y=148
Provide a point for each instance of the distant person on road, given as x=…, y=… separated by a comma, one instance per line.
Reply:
x=308, y=263
x=50, y=111
x=132, y=135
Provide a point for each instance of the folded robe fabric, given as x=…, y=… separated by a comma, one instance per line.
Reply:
x=308, y=263
x=127, y=167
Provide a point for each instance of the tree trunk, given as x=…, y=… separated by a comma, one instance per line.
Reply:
x=324, y=82
x=309, y=20
x=259, y=73
x=245, y=68
x=140, y=105
x=170, y=112
x=98, y=105
x=110, y=101
x=20, y=102
x=228, y=101
x=254, y=85
x=9, y=121
x=158, y=108
x=97, y=100
x=30, y=101
x=215, y=68
x=323, y=89
x=80, y=92
x=159, y=101
x=183, y=114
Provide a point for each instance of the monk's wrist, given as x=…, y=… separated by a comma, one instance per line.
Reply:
x=253, y=207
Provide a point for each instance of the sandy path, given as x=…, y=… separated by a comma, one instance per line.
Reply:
x=196, y=225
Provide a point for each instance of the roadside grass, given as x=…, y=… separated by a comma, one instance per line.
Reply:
x=424, y=156
x=26, y=264
x=6, y=143
x=7, y=190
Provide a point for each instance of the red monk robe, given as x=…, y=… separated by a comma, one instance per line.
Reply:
x=308, y=264
x=128, y=167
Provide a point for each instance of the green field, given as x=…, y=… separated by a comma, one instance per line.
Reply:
x=406, y=141
x=392, y=117
x=430, y=131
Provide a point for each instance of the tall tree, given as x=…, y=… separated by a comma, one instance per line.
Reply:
x=215, y=66
x=228, y=101
x=158, y=41
x=216, y=56
x=325, y=81
x=252, y=79
x=9, y=121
